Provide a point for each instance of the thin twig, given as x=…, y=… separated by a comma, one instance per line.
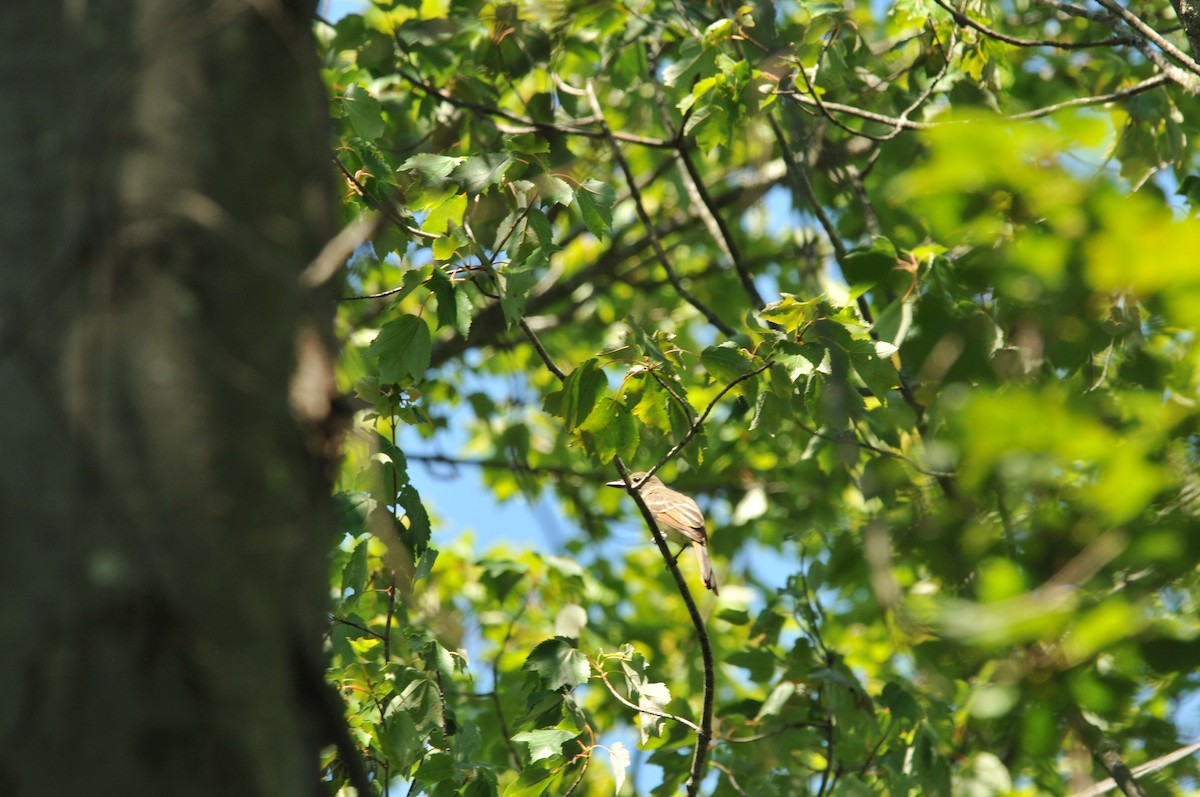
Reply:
x=722, y=234
x=699, y=422
x=531, y=124
x=963, y=19
x=1143, y=769
x=641, y=709
x=1105, y=752
x=790, y=726
x=1138, y=24
x=801, y=182
x=1120, y=94
x=651, y=230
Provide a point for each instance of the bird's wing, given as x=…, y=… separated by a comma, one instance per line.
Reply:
x=680, y=513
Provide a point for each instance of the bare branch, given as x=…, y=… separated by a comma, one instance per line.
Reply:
x=1138, y=24
x=721, y=234
x=651, y=229
x=1144, y=769
x=963, y=19
x=1105, y=752
x=641, y=709
x=699, y=422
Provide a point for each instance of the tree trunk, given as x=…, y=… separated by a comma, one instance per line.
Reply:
x=163, y=380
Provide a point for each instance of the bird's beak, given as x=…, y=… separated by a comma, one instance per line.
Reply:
x=617, y=483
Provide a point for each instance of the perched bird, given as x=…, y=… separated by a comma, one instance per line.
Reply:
x=681, y=517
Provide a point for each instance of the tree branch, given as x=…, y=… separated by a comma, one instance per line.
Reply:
x=1136, y=22
x=1105, y=752
x=641, y=709
x=704, y=733
x=963, y=19
x=721, y=234
x=651, y=230
x=699, y=422
x=1188, y=12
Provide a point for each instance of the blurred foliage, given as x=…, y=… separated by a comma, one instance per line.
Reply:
x=961, y=299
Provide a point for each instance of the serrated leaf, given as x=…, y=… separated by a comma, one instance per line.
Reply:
x=790, y=313
x=619, y=759
x=545, y=743
x=401, y=740
x=417, y=529
x=514, y=282
x=582, y=388
x=434, y=169
x=425, y=564
x=610, y=431
x=876, y=372
x=447, y=304
x=869, y=266
x=436, y=767
x=403, y=348
x=464, y=310
x=595, y=200
x=354, y=574
x=553, y=189
x=478, y=173
x=694, y=59
x=532, y=782
x=451, y=209
x=364, y=111
x=654, y=697
x=558, y=664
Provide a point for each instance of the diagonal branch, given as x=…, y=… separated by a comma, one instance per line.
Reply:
x=651, y=229
x=723, y=235
x=1150, y=34
x=963, y=19
x=699, y=422
x=1105, y=752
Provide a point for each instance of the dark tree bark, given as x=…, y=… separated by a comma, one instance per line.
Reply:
x=164, y=379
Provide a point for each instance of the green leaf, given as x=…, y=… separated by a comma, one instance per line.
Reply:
x=448, y=211
x=402, y=743
x=477, y=174
x=876, y=372
x=773, y=705
x=546, y=743
x=434, y=169
x=532, y=782
x=866, y=267
x=364, y=111
x=595, y=200
x=425, y=564
x=791, y=313
x=726, y=362
x=760, y=662
x=514, y=281
x=403, y=348
x=610, y=431
x=553, y=189
x=422, y=701
x=558, y=664
x=447, y=302
x=463, y=312
x=694, y=60
x=354, y=575
x=436, y=768
x=582, y=388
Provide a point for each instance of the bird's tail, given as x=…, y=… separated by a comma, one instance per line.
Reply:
x=706, y=571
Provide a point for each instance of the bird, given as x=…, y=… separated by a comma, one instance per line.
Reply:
x=679, y=514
